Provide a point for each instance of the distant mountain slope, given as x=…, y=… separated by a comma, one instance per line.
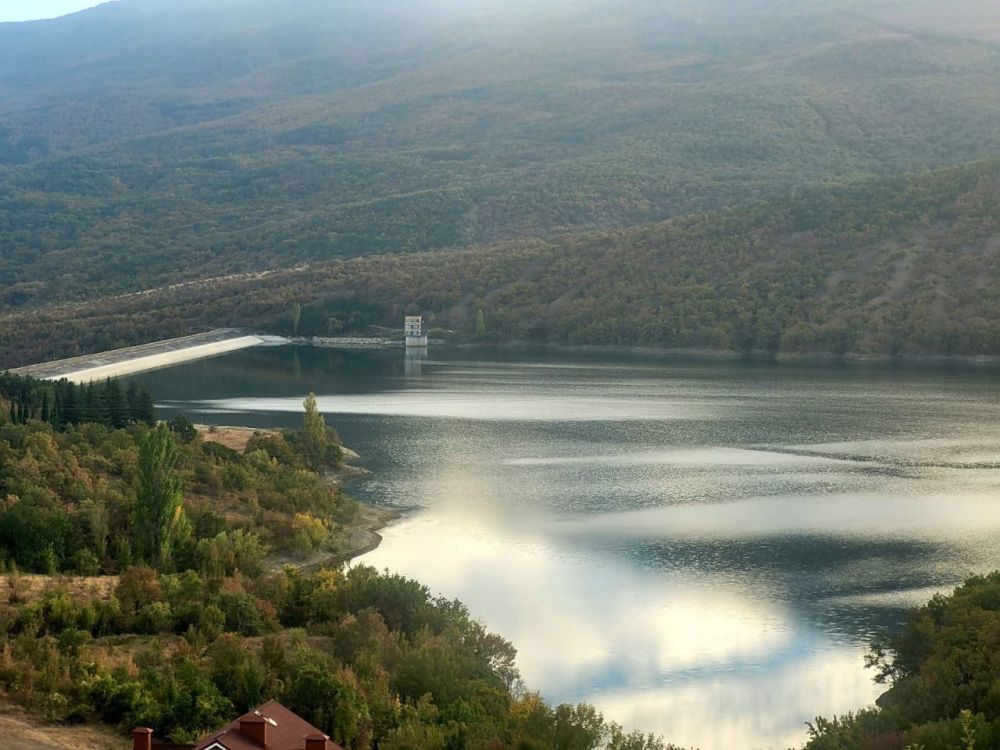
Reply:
x=894, y=266
x=152, y=141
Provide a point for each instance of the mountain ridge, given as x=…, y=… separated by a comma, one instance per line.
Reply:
x=878, y=269
x=236, y=144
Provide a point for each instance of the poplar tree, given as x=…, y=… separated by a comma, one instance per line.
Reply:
x=158, y=515
x=313, y=434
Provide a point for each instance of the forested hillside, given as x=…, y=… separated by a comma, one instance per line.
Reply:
x=148, y=142
x=895, y=266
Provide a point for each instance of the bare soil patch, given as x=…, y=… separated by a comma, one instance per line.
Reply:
x=235, y=438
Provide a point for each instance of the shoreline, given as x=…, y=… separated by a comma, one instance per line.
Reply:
x=171, y=352
x=755, y=355
x=357, y=538
x=360, y=539
x=361, y=535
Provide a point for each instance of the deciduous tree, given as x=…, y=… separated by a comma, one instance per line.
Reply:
x=158, y=516
x=314, y=437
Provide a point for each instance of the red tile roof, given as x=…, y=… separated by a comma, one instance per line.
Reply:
x=285, y=731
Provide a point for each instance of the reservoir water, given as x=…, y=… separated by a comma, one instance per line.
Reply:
x=700, y=548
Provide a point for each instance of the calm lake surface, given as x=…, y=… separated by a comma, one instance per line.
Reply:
x=700, y=548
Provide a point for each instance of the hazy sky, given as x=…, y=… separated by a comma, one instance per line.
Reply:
x=27, y=10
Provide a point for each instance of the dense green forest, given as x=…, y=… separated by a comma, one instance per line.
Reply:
x=370, y=658
x=146, y=143
x=60, y=404
x=892, y=266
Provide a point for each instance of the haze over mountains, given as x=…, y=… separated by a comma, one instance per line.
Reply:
x=148, y=142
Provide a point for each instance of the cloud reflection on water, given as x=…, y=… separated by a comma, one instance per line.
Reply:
x=478, y=405
x=723, y=711
x=682, y=653
x=868, y=515
x=684, y=457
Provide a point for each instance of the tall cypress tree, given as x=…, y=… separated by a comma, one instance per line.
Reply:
x=114, y=398
x=70, y=407
x=96, y=405
x=145, y=408
x=46, y=415
x=132, y=399
x=57, y=407
x=87, y=403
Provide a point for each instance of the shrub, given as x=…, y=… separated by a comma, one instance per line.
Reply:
x=183, y=428
x=244, y=614
x=155, y=618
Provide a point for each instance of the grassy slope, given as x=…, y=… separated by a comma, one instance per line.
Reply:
x=882, y=268
x=168, y=144
x=23, y=732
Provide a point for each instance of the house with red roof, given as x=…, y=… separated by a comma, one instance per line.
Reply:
x=267, y=727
